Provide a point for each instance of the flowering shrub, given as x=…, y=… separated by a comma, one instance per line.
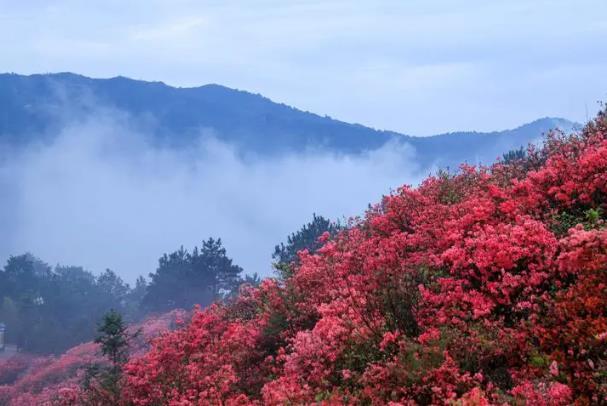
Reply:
x=58, y=380
x=485, y=287
x=12, y=368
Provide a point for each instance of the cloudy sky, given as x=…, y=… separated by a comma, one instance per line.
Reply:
x=96, y=198
x=415, y=66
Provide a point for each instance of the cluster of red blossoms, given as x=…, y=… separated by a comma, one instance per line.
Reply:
x=485, y=287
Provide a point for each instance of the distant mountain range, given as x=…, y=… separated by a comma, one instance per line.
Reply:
x=37, y=106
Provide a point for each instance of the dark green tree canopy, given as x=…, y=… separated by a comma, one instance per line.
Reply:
x=113, y=338
x=48, y=310
x=285, y=255
x=514, y=155
x=103, y=383
x=184, y=279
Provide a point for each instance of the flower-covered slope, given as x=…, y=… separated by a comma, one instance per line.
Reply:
x=28, y=380
x=486, y=287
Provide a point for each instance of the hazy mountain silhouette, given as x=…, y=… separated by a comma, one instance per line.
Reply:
x=35, y=107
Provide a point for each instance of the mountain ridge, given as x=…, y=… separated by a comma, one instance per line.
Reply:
x=253, y=122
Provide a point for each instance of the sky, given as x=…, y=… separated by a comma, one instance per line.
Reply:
x=415, y=66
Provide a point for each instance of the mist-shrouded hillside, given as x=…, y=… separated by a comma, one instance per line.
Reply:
x=109, y=173
x=40, y=105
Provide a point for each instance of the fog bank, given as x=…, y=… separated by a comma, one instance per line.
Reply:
x=102, y=196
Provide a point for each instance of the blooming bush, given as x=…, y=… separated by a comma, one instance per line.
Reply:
x=485, y=287
x=11, y=368
x=58, y=380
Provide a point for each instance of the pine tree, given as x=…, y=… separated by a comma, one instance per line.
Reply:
x=184, y=279
x=114, y=340
x=285, y=255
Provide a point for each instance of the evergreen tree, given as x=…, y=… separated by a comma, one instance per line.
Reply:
x=514, y=155
x=184, y=279
x=253, y=280
x=49, y=310
x=113, y=339
x=103, y=384
x=27, y=285
x=223, y=274
x=113, y=286
x=285, y=255
x=134, y=298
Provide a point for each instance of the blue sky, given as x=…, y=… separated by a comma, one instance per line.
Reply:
x=418, y=67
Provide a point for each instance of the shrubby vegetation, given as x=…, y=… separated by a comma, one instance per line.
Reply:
x=79, y=376
x=91, y=373
x=485, y=287
x=488, y=286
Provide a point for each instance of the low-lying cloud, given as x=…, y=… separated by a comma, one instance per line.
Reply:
x=102, y=196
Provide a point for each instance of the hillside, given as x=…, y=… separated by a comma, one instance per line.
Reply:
x=486, y=287
x=38, y=106
x=43, y=380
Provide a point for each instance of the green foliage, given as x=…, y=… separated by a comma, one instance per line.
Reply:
x=184, y=279
x=593, y=215
x=564, y=221
x=253, y=280
x=103, y=384
x=285, y=255
x=113, y=338
x=538, y=360
x=359, y=355
x=133, y=299
x=449, y=191
x=49, y=310
x=514, y=155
